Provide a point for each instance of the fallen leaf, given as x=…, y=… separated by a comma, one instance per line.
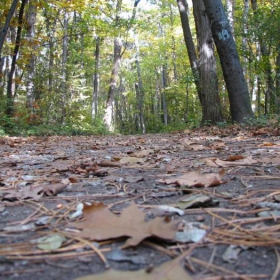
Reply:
x=50, y=242
x=234, y=158
x=24, y=193
x=142, y=153
x=231, y=254
x=191, y=233
x=195, y=179
x=224, y=163
x=101, y=224
x=133, y=179
x=132, y=160
x=51, y=189
x=169, y=270
x=196, y=200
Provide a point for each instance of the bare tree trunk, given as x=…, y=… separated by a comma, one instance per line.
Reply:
x=163, y=93
x=10, y=93
x=139, y=88
x=277, y=105
x=94, y=107
x=63, y=67
x=183, y=10
x=108, y=118
x=211, y=106
x=245, y=45
x=265, y=51
x=230, y=14
x=31, y=19
x=4, y=30
x=109, y=113
x=239, y=98
x=173, y=45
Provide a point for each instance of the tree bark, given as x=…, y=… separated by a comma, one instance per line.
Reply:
x=4, y=30
x=139, y=88
x=94, y=107
x=183, y=10
x=109, y=109
x=10, y=93
x=63, y=67
x=108, y=118
x=211, y=106
x=277, y=104
x=230, y=14
x=31, y=19
x=239, y=98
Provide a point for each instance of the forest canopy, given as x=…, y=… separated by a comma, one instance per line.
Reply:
x=126, y=66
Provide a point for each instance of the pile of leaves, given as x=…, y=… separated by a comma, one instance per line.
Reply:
x=188, y=205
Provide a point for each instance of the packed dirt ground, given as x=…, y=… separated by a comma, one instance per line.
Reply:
x=201, y=204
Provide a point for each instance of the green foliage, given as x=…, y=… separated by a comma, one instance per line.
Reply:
x=263, y=121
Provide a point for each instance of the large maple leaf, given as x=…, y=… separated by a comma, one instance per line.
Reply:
x=101, y=224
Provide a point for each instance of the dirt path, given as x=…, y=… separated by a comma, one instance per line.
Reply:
x=223, y=186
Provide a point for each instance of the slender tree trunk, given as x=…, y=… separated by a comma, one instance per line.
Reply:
x=50, y=29
x=277, y=105
x=108, y=118
x=211, y=105
x=10, y=93
x=31, y=19
x=183, y=10
x=163, y=93
x=94, y=106
x=139, y=87
x=239, y=98
x=63, y=67
x=173, y=44
x=230, y=14
x=4, y=30
x=109, y=113
x=245, y=34
x=265, y=51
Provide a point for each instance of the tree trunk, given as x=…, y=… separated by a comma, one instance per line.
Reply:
x=94, y=107
x=230, y=14
x=240, y=105
x=183, y=10
x=31, y=19
x=4, y=30
x=139, y=88
x=173, y=45
x=63, y=67
x=208, y=81
x=10, y=93
x=108, y=118
x=277, y=103
x=265, y=52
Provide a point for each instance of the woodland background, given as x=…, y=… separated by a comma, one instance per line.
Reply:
x=68, y=66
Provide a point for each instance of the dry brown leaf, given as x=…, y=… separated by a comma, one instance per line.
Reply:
x=234, y=158
x=142, y=153
x=224, y=163
x=107, y=163
x=131, y=160
x=101, y=224
x=167, y=271
x=24, y=193
x=195, y=179
x=51, y=189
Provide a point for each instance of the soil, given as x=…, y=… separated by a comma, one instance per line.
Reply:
x=240, y=217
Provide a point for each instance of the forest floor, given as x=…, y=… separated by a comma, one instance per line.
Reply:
x=202, y=204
